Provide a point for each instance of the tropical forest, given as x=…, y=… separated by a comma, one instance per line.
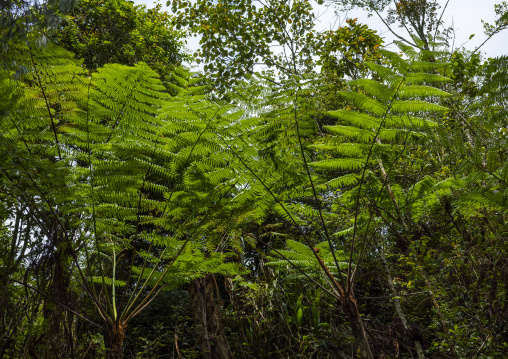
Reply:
x=282, y=190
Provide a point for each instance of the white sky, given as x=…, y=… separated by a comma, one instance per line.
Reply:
x=464, y=15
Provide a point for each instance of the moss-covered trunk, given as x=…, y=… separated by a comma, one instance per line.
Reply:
x=114, y=340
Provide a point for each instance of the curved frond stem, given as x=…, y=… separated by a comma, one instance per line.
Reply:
x=318, y=202
x=92, y=188
x=196, y=143
x=88, y=149
x=146, y=304
x=180, y=251
x=20, y=133
x=140, y=276
x=46, y=101
x=95, y=302
x=364, y=247
x=26, y=285
x=113, y=287
x=363, y=250
x=279, y=202
x=334, y=295
x=135, y=296
x=360, y=183
x=386, y=183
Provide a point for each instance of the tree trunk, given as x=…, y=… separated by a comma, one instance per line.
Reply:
x=350, y=308
x=114, y=340
x=58, y=337
x=206, y=314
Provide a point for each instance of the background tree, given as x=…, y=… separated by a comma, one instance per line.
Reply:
x=420, y=18
x=102, y=32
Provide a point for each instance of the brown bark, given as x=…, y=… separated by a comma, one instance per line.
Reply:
x=350, y=308
x=114, y=340
x=206, y=314
x=59, y=336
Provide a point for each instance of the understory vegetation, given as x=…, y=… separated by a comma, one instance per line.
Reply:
x=305, y=194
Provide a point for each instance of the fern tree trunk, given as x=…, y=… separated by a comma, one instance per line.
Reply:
x=59, y=336
x=206, y=314
x=350, y=308
x=114, y=340
x=349, y=305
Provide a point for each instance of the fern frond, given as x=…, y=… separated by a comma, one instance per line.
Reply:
x=364, y=102
x=339, y=164
x=355, y=118
x=421, y=91
x=426, y=78
x=416, y=106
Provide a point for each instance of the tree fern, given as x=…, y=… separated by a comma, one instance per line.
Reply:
x=387, y=112
x=477, y=148
x=390, y=110
x=115, y=160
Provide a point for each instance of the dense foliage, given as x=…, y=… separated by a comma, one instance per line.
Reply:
x=310, y=195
